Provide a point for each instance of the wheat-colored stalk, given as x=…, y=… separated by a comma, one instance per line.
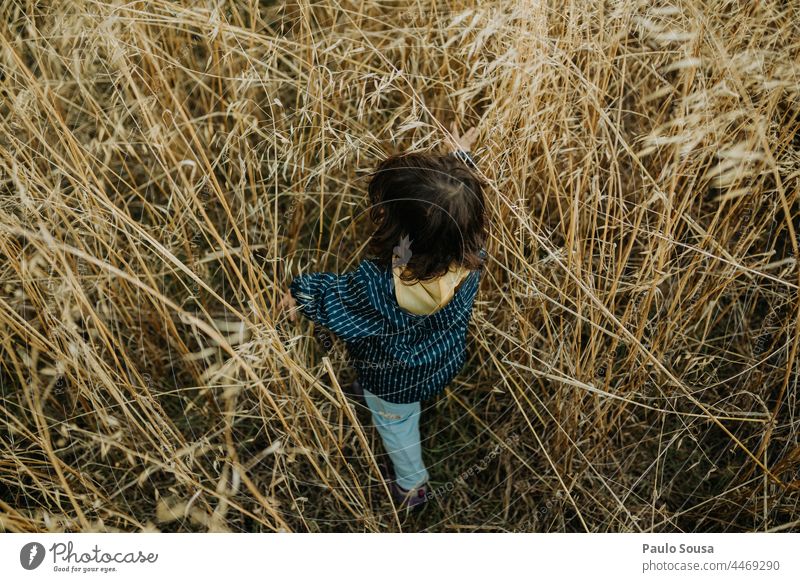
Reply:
x=167, y=168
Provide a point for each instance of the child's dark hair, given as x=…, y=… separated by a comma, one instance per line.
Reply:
x=435, y=200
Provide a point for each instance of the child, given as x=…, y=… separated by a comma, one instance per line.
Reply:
x=403, y=315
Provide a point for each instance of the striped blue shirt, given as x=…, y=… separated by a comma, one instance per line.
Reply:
x=399, y=356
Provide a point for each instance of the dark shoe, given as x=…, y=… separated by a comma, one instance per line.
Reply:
x=355, y=392
x=410, y=499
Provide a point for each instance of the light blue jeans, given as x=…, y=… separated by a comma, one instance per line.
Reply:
x=398, y=425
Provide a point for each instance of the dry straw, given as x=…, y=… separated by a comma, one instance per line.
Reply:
x=166, y=168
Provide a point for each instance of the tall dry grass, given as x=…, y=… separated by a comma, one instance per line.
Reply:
x=166, y=168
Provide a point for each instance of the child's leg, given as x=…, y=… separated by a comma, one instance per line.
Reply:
x=398, y=425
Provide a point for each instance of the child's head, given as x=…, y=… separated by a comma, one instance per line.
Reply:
x=434, y=200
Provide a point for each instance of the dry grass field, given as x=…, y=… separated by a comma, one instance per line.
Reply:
x=166, y=168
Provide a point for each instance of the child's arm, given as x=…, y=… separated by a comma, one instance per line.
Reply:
x=466, y=157
x=288, y=303
x=462, y=145
x=337, y=302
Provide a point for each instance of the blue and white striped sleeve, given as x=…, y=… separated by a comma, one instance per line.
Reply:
x=338, y=302
x=465, y=156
